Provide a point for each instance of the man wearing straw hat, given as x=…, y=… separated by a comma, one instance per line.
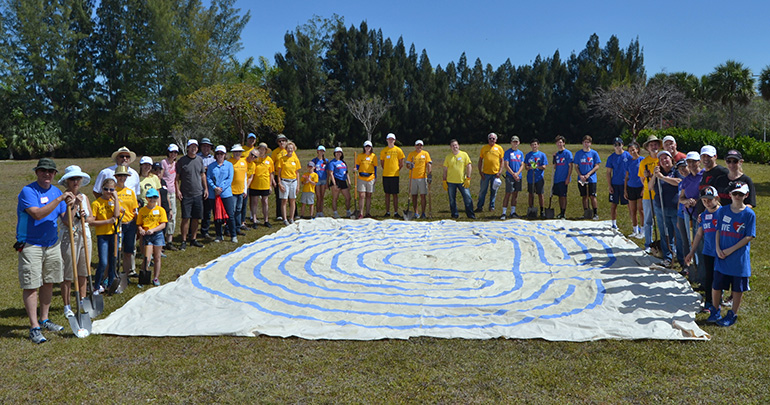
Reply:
x=37, y=241
x=122, y=157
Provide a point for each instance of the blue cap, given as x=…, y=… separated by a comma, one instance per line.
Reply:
x=152, y=193
x=251, y=135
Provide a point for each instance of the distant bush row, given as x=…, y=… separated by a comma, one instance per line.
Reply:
x=687, y=139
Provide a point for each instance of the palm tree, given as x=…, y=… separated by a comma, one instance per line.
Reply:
x=764, y=83
x=731, y=83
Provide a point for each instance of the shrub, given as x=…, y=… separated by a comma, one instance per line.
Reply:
x=688, y=139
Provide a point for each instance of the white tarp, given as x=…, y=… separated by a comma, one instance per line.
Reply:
x=366, y=279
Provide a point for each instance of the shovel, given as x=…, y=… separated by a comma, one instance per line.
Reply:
x=549, y=212
x=81, y=322
x=430, y=202
x=692, y=269
x=121, y=278
x=408, y=214
x=94, y=305
x=356, y=211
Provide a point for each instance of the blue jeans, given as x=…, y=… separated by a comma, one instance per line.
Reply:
x=667, y=228
x=647, y=207
x=452, y=190
x=240, y=209
x=486, y=179
x=106, y=248
x=229, y=204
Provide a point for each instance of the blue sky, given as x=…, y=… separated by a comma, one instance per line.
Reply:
x=690, y=36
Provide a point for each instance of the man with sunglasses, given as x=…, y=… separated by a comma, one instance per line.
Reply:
x=122, y=157
x=723, y=184
x=37, y=241
x=491, y=168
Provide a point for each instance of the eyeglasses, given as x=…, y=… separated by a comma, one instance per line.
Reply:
x=108, y=189
x=124, y=156
x=282, y=140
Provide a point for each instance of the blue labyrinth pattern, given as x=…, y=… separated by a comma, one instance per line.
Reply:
x=415, y=278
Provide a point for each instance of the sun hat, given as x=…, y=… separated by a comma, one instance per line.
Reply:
x=709, y=193
x=418, y=142
x=367, y=143
x=651, y=138
x=708, y=150
x=206, y=141
x=145, y=160
x=740, y=187
x=45, y=164
x=152, y=193
x=122, y=170
x=236, y=148
x=173, y=148
x=321, y=147
x=337, y=149
x=192, y=142
x=220, y=148
x=74, y=171
x=124, y=149
x=262, y=145
x=693, y=155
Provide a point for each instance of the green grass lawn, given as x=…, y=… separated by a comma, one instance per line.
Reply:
x=733, y=367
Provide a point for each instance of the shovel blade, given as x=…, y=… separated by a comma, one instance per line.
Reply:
x=97, y=305
x=408, y=215
x=80, y=324
x=549, y=213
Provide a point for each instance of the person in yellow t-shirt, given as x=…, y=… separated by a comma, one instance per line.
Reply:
x=457, y=176
x=309, y=181
x=147, y=179
x=251, y=142
x=261, y=181
x=129, y=205
x=281, y=140
x=240, y=169
x=646, y=169
x=366, y=166
x=106, y=211
x=491, y=168
x=151, y=221
x=391, y=162
x=420, y=167
x=287, y=168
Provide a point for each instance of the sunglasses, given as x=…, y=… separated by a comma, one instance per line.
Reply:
x=124, y=157
x=108, y=189
x=49, y=171
x=731, y=161
x=738, y=194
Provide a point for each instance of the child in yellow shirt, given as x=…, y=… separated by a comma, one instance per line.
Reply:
x=151, y=221
x=106, y=211
x=309, y=180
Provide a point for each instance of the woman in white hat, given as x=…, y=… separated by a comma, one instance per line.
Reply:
x=73, y=179
x=320, y=162
x=169, y=175
x=366, y=166
x=147, y=179
x=339, y=180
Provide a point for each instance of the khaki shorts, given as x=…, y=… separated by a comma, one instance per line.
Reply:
x=80, y=255
x=365, y=186
x=419, y=186
x=39, y=265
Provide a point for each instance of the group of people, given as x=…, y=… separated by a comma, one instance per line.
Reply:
x=703, y=210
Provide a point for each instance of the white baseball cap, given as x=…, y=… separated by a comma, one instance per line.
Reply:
x=145, y=160
x=391, y=136
x=693, y=155
x=321, y=147
x=236, y=148
x=367, y=143
x=337, y=149
x=708, y=150
x=173, y=148
x=220, y=148
x=418, y=142
x=669, y=138
x=192, y=142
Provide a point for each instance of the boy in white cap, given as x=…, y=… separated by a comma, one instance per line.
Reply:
x=420, y=167
x=307, y=198
x=391, y=162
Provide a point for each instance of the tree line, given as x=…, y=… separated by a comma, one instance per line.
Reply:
x=77, y=78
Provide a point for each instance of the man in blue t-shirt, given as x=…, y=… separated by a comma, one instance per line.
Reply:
x=512, y=162
x=562, y=174
x=736, y=228
x=535, y=163
x=587, y=163
x=616, y=179
x=37, y=241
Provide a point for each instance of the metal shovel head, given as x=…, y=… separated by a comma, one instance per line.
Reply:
x=97, y=305
x=408, y=215
x=123, y=283
x=80, y=324
x=549, y=213
x=532, y=212
x=588, y=213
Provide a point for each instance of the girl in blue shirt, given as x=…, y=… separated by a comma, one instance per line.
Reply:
x=320, y=162
x=337, y=174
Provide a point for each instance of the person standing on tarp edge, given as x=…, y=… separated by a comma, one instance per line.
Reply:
x=37, y=241
x=490, y=167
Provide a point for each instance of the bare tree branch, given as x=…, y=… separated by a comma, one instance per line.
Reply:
x=369, y=111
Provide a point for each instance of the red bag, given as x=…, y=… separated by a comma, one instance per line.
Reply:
x=220, y=214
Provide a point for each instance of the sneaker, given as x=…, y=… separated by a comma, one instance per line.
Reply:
x=348, y=213
x=279, y=218
x=291, y=221
x=560, y=216
x=360, y=216
x=596, y=218
x=170, y=246
x=36, y=336
x=68, y=313
x=195, y=243
x=183, y=246
x=614, y=226
x=478, y=209
x=640, y=235
x=514, y=215
x=727, y=303
x=101, y=289
x=133, y=274
x=728, y=320
x=368, y=216
x=424, y=216
x=163, y=254
x=715, y=316
x=286, y=222
x=234, y=239
x=267, y=225
x=503, y=217
x=387, y=215
x=319, y=215
x=218, y=239
x=204, y=235
x=240, y=232
x=666, y=263
x=399, y=216
x=648, y=250
x=47, y=324
x=156, y=282
x=337, y=215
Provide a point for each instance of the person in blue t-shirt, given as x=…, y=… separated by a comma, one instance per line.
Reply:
x=736, y=228
x=320, y=162
x=707, y=230
x=633, y=190
x=587, y=163
x=535, y=163
x=339, y=181
x=616, y=178
x=562, y=174
x=513, y=164
x=37, y=240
